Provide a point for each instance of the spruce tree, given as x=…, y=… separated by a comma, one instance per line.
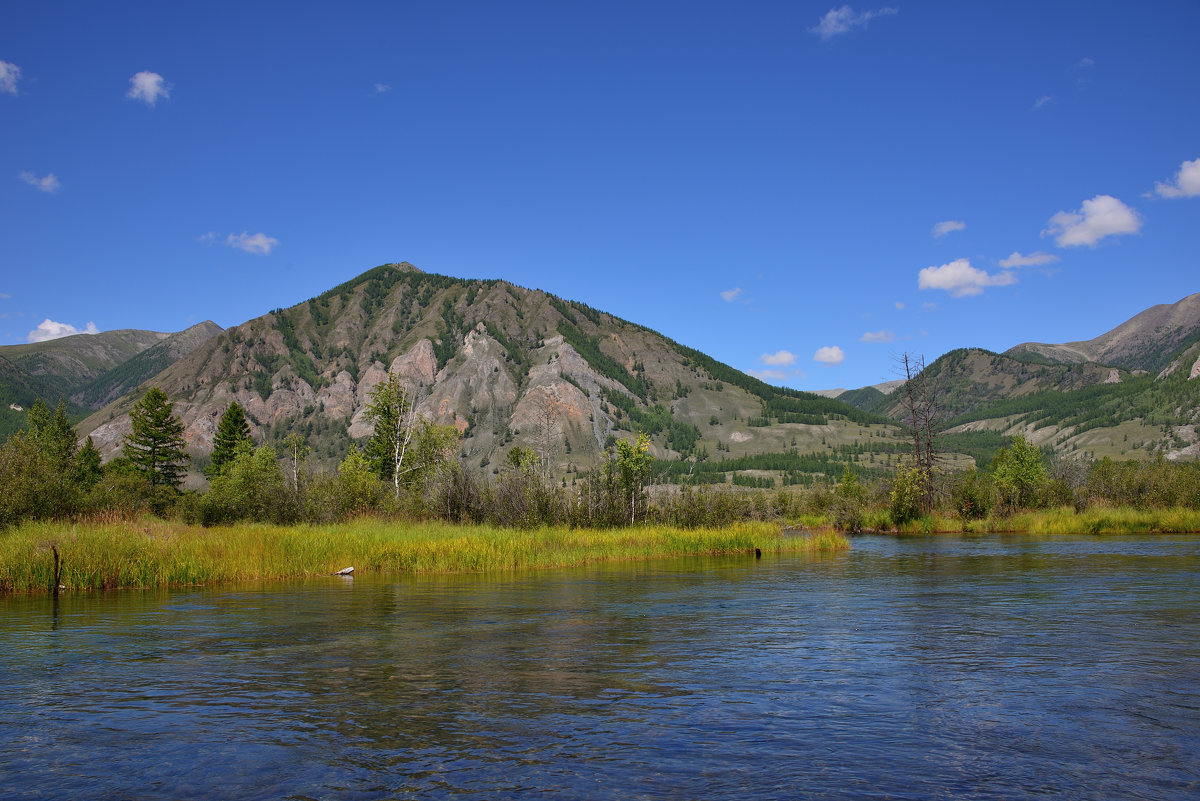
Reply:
x=155, y=445
x=232, y=429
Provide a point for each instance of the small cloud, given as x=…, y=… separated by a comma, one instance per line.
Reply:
x=1186, y=183
x=382, y=88
x=829, y=355
x=947, y=227
x=1043, y=101
x=258, y=243
x=960, y=279
x=779, y=357
x=49, y=329
x=209, y=238
x=48, y=184
x=148, y=87
x=5, y=296
x=842, y=20
x=9, y=75
x=928, y=305
x=1100, y=217
x=899, y=305
x=1035, y=259
x=731, y=295
x=878, y=336
x=1084, y=63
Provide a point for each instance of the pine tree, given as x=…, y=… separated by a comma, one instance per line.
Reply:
x=232, y=429
x=155, y=445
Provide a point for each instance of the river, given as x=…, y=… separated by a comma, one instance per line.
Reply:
x=923, y=667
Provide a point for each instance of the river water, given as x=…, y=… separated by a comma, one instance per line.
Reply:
x=943, y=667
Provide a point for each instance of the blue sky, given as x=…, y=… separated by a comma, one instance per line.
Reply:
x=802, y=190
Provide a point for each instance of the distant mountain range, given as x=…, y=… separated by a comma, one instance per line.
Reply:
x=87, y=370
x=511, y=366
x=1131, y=392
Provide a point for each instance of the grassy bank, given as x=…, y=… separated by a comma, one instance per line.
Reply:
x=1065, y=520
x=154, y=553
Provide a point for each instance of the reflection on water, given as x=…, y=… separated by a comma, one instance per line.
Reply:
x=906, y=668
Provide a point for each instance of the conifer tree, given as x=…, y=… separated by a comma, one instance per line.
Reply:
x=232, y=430
x=155, y=445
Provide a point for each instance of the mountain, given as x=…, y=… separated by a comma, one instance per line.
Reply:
x=86, y=370
x=1147, y=341
x=127, y=375
x=504, y=365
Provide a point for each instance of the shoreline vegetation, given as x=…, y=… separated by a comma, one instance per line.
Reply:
x=149, y=552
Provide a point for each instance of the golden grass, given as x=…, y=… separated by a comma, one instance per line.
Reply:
x=152, y=553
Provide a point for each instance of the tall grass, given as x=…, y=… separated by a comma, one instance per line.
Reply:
x=152, y=553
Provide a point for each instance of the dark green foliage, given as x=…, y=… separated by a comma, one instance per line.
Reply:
x=262, y=384
x=563, y=309
x=602, y=363
x=250, y=487
x=514, y=353
x=299, y=359
x=868, y=399
x=232, y=431
x=756, y=482
x=793, y=464
x=971, y=494
x=155, y=446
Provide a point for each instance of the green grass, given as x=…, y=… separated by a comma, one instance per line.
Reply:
x=154, y=553
x=1096, y=520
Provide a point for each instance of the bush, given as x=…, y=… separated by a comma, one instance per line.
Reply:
x=971, y=495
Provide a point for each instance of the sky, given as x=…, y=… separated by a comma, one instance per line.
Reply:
x=801, y=190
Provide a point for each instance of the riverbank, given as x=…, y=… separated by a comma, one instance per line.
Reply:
x=1065, y=520
x=154, y=553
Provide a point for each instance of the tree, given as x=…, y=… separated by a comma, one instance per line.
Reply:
x=231, y=431
x=391, y=410
x=155, y=446
x=633, y=468
x=921, y=413
x=1019, y=473
x=297, y=453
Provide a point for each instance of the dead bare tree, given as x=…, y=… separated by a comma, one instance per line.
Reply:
x=922, y=413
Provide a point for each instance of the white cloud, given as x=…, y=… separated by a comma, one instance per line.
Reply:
x=9, y=75
x=960, y=279
x=1035, y=259
x=844, y=19
x=1043, y=101
x=381, y=88
x=209, y=238
x=731, y=294
x=48, y=329
x=899, y=305
x=878, y=336
x=768, y=375
x=48, y=184
x=1084, y=63
x=4, y=296
x=829, y=355
x=1186, y=184
x=252, y=243
x=1101, y=216
x=148, y=87
x=946, y=227
x=779, y=357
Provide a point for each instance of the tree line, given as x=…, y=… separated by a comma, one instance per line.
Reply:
x=409, y=467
